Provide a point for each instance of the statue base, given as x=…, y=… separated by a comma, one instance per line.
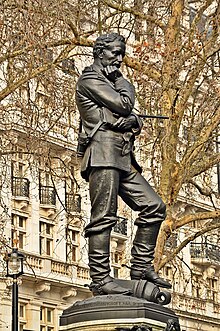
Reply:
x=118, y=313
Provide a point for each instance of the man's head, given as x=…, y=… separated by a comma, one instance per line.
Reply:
x=109, y=49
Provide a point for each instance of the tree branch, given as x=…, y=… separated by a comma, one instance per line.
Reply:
x=203, y=165
x=215, y=214
x=124, y=9
x=202, y=190
x=193, y=151
x=80, y=41
x=34, y=73
x=211, y=226
x=171, y=224
x=145, y=69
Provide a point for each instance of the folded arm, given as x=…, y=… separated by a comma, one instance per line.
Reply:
x=118, y=98
x=131, y=122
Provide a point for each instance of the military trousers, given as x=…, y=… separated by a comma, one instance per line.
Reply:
x=106, y=184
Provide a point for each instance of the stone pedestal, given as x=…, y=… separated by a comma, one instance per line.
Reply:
x=117, y=313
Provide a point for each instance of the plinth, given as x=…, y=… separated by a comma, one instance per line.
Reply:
x=117, y=313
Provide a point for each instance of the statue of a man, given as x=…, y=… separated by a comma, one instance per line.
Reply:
x=105, y=100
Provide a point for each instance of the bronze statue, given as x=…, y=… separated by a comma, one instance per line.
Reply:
x=105, y=100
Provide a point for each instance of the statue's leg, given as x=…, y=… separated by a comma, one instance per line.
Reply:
x=103, y=184
x=99, y=266
x=140, y=196
x=143, y=254
x=103, y=190
x=99, y=255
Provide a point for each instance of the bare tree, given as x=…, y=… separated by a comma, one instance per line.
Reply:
x=173, y=59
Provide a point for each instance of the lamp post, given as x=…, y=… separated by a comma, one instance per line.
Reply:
x=14, y=261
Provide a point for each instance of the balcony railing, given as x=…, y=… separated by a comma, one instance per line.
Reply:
x=60, y=268
x=121, y=226
x=47, y=195
x=73, y=202
x=33, y=261
x=83, y=273
x=20, y=187
x=208, y=252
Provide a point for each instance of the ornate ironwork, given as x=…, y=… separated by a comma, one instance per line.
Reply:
x=135, y=328
x=47, y=195
x=20, y=186
x=205, y=251
x=73, y=202
x=172, y=325
x=121, y=226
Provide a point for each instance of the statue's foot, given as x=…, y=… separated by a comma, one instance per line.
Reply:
x=150, y=275
x=108, y=286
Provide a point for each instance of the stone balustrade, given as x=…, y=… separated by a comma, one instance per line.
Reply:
x=83, y=273
x=61, y=268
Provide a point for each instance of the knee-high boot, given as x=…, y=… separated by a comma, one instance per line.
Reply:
x=99, y=252
x=143, y=254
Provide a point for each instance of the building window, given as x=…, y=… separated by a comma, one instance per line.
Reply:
x=212, y=289
x=73, y=202
x=47, y=195
x=72, y=245
x=121, y=226
x=196, y=286
x=19, y=162
x=19, y=183
x=46, y=238
x=116, y=259
x=22, y=316
x=72, y=197
x=47, y=319
x=18, y=230
x=168, y=272
x=47, y=192
x=204, y=26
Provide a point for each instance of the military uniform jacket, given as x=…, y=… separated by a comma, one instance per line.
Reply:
x=98, y=99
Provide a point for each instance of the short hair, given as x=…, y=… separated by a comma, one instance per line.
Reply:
x=103, y=42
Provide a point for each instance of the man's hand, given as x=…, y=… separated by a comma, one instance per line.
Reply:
x=125, y=124
x=112, y=73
